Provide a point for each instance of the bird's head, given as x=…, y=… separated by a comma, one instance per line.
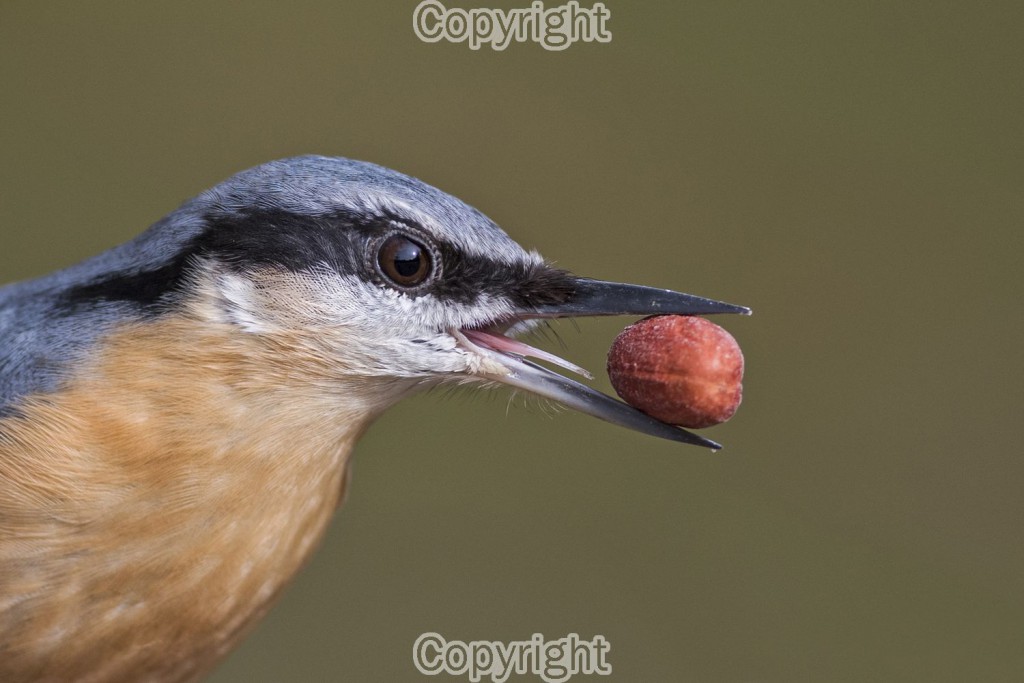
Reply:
x=392, y=283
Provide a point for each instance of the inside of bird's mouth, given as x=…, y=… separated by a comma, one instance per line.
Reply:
x=509, y=361
x=493, y=338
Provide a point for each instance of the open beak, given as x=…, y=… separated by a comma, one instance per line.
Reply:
x=590, y=298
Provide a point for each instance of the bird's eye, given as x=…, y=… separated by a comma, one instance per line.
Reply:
x=404, y=262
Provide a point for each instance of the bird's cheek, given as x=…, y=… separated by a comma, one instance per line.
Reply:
x=485, y=367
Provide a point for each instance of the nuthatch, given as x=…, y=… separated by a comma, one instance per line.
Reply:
x=177, y=413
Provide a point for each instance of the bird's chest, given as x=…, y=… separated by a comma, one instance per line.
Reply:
x=162, y=586
x=146, y=524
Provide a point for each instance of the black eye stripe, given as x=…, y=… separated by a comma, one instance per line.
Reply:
x=345, y=243
x=526, y=284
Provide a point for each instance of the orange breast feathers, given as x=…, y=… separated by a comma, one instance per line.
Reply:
x=152, y=509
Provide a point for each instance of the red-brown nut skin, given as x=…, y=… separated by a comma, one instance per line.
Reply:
x=679, y=369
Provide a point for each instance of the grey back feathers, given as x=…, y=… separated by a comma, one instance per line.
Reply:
x=47, y=324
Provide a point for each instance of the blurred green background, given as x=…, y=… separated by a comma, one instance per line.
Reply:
x=852, y=173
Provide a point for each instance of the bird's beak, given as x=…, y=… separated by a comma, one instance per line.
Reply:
x=591, y=298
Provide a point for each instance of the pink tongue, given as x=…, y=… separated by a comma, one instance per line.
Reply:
x=499, y=342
